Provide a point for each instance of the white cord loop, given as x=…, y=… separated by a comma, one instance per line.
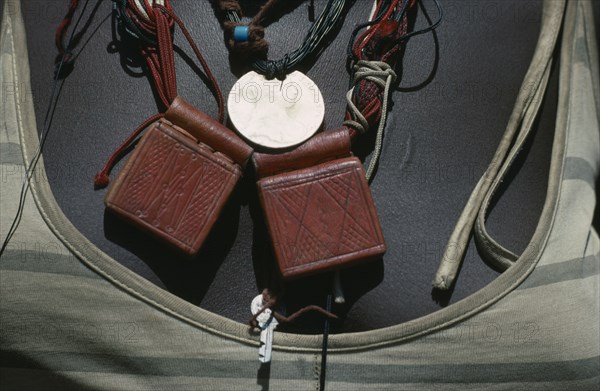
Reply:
x=382, y=74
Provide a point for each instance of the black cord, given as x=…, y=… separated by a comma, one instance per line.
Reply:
x=398, y=15
x=429, y=28
x=326, y=22
x=120, y=7
x=350, y=57
x=56, y=89
x=326, y=326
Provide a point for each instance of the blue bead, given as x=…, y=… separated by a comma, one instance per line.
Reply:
x=241, y=33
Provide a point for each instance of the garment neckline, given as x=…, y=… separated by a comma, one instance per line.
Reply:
x=165, y=301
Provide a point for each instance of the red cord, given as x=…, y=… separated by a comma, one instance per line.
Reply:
x=102, y=178
x=381, y=42
x=367, y=36
x=156, y=21
x=63, y=26
x=213, y=82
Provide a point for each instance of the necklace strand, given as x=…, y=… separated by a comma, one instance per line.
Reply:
x=254, y=47
x=151, y=22
x=372, y=58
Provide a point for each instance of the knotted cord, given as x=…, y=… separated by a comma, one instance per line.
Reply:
x=382, y=74
x=65, y=51
x=256, y=47
x=372, y=59
x=57, y=84
x=269, y=303
x=152, y=23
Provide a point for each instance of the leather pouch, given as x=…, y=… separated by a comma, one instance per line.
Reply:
x=179, y=177
x=318, y=206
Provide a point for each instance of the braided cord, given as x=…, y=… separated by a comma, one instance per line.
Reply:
x=325, y=23
x=372, y=59
x=382, y=74
x=152, y=22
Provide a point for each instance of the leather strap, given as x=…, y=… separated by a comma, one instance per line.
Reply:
x=325, y=146
x=208, y=131
x=518, y=129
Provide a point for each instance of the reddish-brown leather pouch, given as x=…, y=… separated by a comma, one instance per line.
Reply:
x=179, y=177
x=318, y=206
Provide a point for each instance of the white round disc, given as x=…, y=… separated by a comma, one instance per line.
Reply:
x=276, y=113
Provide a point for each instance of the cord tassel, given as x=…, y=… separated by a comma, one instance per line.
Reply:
x=102, y=178
x=152, y=24
x=270, y=302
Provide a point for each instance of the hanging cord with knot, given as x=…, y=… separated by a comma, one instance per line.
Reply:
x=65, y=57
x=372, y=58
x=151, y=23
x=65, y=60
x=254, y=48
x=269, y=303
x=46, y=123
x=382, y=74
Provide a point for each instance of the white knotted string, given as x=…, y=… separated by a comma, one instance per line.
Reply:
x=382, y=74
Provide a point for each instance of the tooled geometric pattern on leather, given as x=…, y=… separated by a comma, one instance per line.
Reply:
x=210, y=183
x=173, y=187
x=157, y=147
x=321, y=219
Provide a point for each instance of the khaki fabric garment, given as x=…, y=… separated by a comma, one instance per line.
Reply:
x=72, y=318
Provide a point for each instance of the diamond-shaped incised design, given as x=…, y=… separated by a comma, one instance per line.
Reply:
x=321, y=221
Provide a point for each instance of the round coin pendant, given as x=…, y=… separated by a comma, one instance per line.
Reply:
x=276, y=113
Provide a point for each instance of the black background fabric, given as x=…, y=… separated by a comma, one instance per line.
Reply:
x=457, y=90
